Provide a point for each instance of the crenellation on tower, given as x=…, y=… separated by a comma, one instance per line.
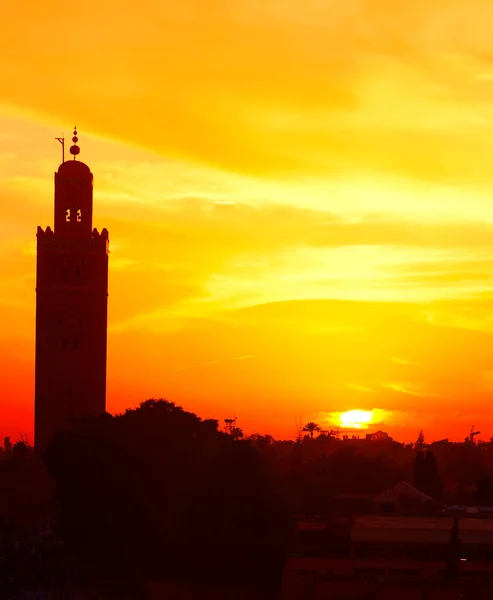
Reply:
x=41, y=232
x=71, y=307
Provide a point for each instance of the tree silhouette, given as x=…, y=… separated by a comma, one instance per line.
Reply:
x=311, y=427
x=231, y=429
x=21, y=448
x=7, y=444
x=484, y=492
x=160, y=492
x=420, y=440
x=426, y=476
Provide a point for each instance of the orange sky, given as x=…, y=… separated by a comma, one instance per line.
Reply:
x=299, y=197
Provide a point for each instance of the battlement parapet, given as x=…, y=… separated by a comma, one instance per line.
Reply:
x=40, y=231
x=104, y=233
x=49, y=242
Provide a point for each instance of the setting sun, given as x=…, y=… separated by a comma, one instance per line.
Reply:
x=357, y=419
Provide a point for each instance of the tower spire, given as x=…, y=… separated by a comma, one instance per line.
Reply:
x=71, y=306
x=74, y=150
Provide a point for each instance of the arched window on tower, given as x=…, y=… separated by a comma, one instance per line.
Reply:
x=67, y=215
x=79, y=215
x=71, y=343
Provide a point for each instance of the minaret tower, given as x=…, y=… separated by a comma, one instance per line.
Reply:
x=71, y=306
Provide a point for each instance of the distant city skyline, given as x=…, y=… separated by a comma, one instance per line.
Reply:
x=303, y=224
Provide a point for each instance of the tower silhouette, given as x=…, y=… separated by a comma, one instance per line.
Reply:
x=71, y=306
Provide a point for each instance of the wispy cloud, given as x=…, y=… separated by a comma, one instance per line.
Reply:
x=320, y=200
x=213, y=362
x=404, y=388
x=198, y=366
x=412, y=390
x=403, y=361
x=359, y=388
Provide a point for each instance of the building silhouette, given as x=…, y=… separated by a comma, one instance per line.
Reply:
x=71, y=306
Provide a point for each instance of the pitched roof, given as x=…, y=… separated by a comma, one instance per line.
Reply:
x=402, y=489
x=385, y=528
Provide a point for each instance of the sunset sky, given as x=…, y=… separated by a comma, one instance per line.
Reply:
x=299, y=197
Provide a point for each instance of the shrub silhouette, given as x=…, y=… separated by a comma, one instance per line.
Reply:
x=159, y=490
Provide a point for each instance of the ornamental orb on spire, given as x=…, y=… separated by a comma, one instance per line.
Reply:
x=74, y=150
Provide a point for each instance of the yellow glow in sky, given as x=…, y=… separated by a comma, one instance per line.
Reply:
x=359, y=419
x=299, y=197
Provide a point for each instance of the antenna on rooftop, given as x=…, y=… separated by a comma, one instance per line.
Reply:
x=62, y=142
x=473, y=434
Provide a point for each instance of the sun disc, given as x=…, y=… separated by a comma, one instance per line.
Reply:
x=357, y=419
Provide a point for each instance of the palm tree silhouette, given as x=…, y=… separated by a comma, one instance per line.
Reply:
x=311, y=427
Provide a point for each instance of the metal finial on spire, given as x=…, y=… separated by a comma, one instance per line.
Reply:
x=62, y=142
x=74, y=150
